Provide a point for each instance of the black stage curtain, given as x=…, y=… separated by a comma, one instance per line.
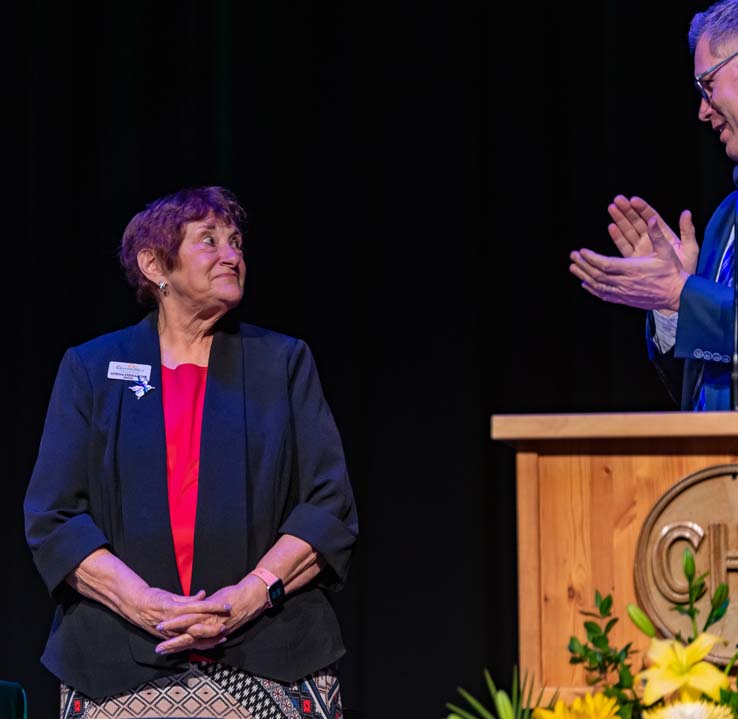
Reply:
x=415, y=176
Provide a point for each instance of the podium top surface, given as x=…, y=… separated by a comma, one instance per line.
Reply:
x=516, y=427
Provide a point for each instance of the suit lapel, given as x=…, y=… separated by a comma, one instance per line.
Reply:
x=709, y=262
x=142, y=464
x=220, y=527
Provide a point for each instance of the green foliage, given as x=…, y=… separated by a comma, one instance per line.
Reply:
x=696, y=588
x=602, y=661
x=718, y=605
x=518, y=704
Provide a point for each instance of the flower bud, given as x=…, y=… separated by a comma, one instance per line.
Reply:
x=641, y=620
x=688, y=565
x=720, y=595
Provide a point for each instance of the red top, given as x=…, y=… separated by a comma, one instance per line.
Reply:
x=183, y=394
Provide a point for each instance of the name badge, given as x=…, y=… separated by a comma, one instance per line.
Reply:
x=129, y=371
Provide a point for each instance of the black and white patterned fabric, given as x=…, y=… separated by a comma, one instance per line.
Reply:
x=207, y=690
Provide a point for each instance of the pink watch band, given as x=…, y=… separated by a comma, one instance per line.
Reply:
x=265, y=575
x=268, y=578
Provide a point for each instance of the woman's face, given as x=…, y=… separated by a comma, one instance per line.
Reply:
x=211, y=269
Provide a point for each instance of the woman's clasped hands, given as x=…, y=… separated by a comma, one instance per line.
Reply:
x=197, y=622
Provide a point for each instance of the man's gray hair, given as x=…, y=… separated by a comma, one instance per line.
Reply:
x=718, y=23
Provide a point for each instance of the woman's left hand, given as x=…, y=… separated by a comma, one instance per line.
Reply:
x=247, y=600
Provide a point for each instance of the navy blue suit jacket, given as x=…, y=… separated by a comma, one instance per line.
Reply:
x=271, y=463
x=704, y=338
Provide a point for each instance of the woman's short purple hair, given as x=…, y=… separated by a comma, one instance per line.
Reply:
x=160, y=228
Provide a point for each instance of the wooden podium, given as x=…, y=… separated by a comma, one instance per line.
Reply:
x=585, y=485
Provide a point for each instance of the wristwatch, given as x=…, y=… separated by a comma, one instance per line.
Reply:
x=274, y=586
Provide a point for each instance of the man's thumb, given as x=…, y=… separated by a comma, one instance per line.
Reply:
x=686, y=228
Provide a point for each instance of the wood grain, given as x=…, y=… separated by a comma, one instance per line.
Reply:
x=581, y=502
x=510, y=427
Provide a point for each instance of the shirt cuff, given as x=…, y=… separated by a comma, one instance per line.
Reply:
x=666, y=327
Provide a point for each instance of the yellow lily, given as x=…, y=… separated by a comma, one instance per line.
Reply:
x=674, y=667
x=594, y=707
x=560, y=711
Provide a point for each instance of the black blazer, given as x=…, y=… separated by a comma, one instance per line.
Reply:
x=271, y=462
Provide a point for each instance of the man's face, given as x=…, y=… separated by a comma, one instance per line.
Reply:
x=722, y=87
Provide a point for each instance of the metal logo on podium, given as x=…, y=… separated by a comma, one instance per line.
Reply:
x=699, y=512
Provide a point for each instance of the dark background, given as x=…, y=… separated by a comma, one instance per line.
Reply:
x=415, y=176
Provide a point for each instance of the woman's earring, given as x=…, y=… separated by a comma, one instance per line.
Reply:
x=162, y=286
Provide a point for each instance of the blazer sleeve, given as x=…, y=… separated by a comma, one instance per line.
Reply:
x=59, y=529
x=325, y=514
x=705, y=326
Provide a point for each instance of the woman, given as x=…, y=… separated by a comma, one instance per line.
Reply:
x=190, y=502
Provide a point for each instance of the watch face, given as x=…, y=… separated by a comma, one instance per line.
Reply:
x=276, y=593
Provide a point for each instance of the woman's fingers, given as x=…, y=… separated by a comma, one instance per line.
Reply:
x=206, y=606
x=174, y=605
x=185, y=642
x=185, y=622
x=192, y=598
x=157, y=606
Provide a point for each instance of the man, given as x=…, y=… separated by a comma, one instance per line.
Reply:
x=687, y=290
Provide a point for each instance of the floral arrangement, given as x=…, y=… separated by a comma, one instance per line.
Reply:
x=516, y=705
x=677, y=682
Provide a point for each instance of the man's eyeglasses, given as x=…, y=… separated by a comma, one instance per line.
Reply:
x=705, y=92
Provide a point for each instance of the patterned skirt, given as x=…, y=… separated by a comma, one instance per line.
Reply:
x=207, y=690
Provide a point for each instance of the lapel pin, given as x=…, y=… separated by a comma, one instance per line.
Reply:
x=141, y=387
